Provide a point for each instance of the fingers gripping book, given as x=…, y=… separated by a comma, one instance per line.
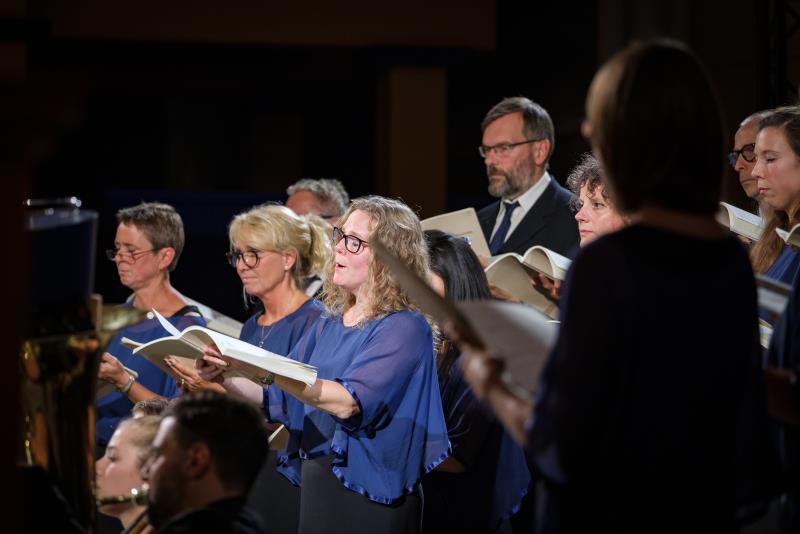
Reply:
x=249, y=361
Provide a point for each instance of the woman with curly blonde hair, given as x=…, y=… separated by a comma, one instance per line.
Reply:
x=372, y=424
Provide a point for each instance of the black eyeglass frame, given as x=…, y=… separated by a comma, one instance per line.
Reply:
x=234, y=256
x=337, y=235
x=503, y=149
x=734, y=154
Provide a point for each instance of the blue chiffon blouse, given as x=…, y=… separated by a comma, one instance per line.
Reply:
x=399, y=432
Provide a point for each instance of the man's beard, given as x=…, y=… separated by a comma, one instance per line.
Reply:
x=164, y=505
x=509, y=187
x=516, y=180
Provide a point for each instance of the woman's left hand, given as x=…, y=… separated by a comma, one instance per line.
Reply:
x=189, y=379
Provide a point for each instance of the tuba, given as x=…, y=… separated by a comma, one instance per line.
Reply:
x=66, y=335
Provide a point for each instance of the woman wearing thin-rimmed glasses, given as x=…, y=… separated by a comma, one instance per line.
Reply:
x=148, y=243
x=363, y=435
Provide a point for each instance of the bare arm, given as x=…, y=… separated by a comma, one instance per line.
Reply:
x=210, y=368
x=326, y=395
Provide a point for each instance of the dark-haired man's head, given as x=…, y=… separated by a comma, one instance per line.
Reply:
x=208, y=447
x=518, y=139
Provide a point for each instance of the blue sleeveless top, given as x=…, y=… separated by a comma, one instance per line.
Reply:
x=399, y=433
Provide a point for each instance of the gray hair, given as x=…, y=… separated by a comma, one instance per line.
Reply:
x=755, y=118
x=330, y=192
x=536, y=120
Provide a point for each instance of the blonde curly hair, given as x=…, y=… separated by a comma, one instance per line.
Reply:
x=277, y=228
x=399, y=230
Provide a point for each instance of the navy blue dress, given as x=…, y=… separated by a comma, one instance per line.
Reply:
x=114, y=407
x=650, y=416
x=273, y=498
x=379, y=455
x=496, y=475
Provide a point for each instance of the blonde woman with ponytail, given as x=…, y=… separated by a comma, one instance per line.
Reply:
x=274, y=252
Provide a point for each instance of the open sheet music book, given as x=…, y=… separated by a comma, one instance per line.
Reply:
x=792, y=237
x=252, y=361
x=507, y=273
x=463, y=223
x=519, y=334
x=764, y=333
x=740, y=221
x=539, y=259
x=772, y=295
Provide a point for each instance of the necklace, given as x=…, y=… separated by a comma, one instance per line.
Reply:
x=264, y=334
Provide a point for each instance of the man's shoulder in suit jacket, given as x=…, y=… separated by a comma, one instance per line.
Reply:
x=549, y=223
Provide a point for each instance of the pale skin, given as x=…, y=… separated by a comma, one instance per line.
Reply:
x=745, y=135
x=146, y=272
x=350, y=273
x=272, y=282
x=116, y=473
x=777, y=170
x=513, y=173
x=303, y=202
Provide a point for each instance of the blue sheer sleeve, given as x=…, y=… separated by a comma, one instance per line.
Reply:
x=379, y=377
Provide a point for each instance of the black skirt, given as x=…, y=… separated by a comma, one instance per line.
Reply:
x=326, y=506
x=275, y=500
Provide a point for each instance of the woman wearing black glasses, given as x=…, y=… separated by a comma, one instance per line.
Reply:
x=148, y=243
x=371, y=425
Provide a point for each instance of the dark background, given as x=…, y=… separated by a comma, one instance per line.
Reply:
x=214, y=107
x=217, y=106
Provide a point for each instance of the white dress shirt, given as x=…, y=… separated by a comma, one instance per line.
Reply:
x=526, y=201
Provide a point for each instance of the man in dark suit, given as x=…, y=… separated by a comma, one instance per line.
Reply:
x=533, y=208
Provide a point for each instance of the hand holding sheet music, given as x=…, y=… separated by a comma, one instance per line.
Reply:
x=518, y=334
x=192, y=343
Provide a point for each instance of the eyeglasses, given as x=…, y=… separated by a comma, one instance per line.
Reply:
x=747, y=152
x=352, y=243
x=126, y=255
x=250, y=258
x=504, y=149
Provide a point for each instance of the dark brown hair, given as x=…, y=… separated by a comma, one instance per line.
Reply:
x=537, y=123
x=657, y=129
